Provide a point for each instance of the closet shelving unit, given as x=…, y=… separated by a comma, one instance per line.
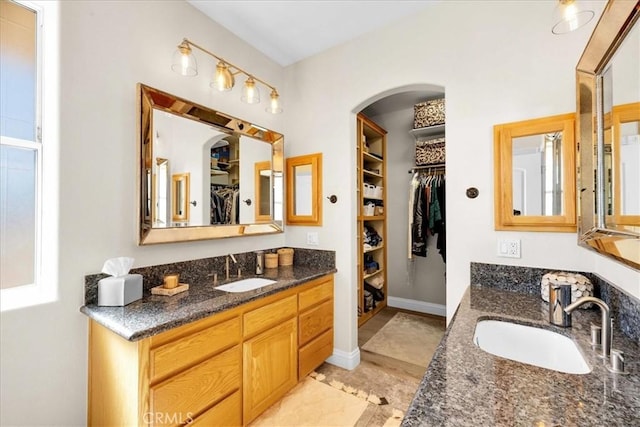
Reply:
x=371, y=169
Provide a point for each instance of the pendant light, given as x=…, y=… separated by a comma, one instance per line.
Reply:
x=183, y=60
x=223, y=78
x=274, y=106
x=250, y=93
x=569, y=16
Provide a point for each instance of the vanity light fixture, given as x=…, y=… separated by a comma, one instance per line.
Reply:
x=223, y=79
x=569, y=16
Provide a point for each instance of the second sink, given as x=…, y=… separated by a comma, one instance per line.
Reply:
x=534, y=346
x=245, y=285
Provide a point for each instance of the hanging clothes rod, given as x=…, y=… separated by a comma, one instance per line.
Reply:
x=436, y=166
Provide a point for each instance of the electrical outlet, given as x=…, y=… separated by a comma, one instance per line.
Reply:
x=312, y=239
x=509, y=248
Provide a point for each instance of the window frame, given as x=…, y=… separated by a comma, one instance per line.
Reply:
x=37, y=292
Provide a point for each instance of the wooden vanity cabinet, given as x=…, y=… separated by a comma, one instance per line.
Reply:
x=315, y=325
x=223, y=370
x=270, y=358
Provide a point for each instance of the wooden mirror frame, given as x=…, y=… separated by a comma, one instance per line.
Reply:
x=150, y=99
x=503, y=135
x=616, y=21
x=315, y=218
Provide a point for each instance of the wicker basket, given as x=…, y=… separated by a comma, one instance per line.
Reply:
x=430, y=152
x=428, y=113
x=285, y=256
x=270, y=260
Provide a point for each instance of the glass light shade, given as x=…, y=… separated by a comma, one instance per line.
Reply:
x=274, y=106
x=184, y=62
x=250, y=92
x=569, y=16
x=222, y=79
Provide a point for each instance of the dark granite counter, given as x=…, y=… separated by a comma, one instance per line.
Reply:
x=465, y=386
x=156, y=313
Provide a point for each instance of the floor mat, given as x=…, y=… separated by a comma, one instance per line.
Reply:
x=407, y=337
x=314, y=403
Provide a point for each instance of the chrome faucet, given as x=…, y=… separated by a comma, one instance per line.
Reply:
x=607, y=336
x=227, y=264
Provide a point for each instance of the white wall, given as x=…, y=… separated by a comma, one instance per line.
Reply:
x=106, y=48
x=498, y=62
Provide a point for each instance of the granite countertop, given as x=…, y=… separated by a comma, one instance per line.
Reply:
x=465, y=386
x=156, y=313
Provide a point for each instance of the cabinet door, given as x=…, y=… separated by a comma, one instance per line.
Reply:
x=270, y=367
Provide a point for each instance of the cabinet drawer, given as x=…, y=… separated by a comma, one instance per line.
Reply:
x=318, y=293
x=315, y=321
x=313, y=354
x=226, y=413
x=184, y=352
x=193, y=390
x=270, y=315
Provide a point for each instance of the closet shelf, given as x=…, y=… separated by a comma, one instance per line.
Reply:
x=427, y=131
x=372, y=198
x=371, y=158
x=376, y=248
x=369, y=173
x=371, y=218
x=366, y=276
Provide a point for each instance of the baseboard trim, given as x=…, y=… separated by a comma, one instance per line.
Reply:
x=345, y=360
x=419, y=306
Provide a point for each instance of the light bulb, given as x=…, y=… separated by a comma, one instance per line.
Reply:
x=274, y=105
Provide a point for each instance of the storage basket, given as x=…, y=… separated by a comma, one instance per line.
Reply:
x=428, y=113
x=377, y=192
x=429, y=152
x=379, y=210
x=270, y=260
x=285, y=256
x=368, y=209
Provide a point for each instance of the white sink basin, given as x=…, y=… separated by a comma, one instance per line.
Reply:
x=245, y=285
x=533, y=346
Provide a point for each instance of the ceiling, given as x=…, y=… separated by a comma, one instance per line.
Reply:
x=288, y=31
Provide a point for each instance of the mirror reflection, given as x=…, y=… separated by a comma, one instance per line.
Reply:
x=204, y=181
x=303, y=190
x=608, y=90
x=180, y=199
x=537, y=174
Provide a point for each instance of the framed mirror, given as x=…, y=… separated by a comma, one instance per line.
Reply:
x=608, y=90
x=211, y=158
x=304, y=190
x=534, y=164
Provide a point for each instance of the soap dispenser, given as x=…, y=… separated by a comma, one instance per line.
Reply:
x=259, y=262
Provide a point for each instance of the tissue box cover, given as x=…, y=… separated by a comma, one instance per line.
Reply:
x=119, y=291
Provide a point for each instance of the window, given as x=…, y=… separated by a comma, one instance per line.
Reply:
x=20, y=147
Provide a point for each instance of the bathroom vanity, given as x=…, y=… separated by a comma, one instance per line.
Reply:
x=466, y=386
x=208, y=357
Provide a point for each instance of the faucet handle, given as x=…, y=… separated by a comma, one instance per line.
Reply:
x=617, y=362
x=215, y=277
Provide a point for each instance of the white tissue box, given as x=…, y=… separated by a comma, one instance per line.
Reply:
x=119, y=291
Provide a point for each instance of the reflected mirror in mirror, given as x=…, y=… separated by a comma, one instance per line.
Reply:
x=180, y=199
x=537, y=174
x=302, y=195
x=217, y=153
x=608, y=90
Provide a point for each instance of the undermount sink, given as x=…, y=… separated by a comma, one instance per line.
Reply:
x=245, y=285
x=533, y=346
